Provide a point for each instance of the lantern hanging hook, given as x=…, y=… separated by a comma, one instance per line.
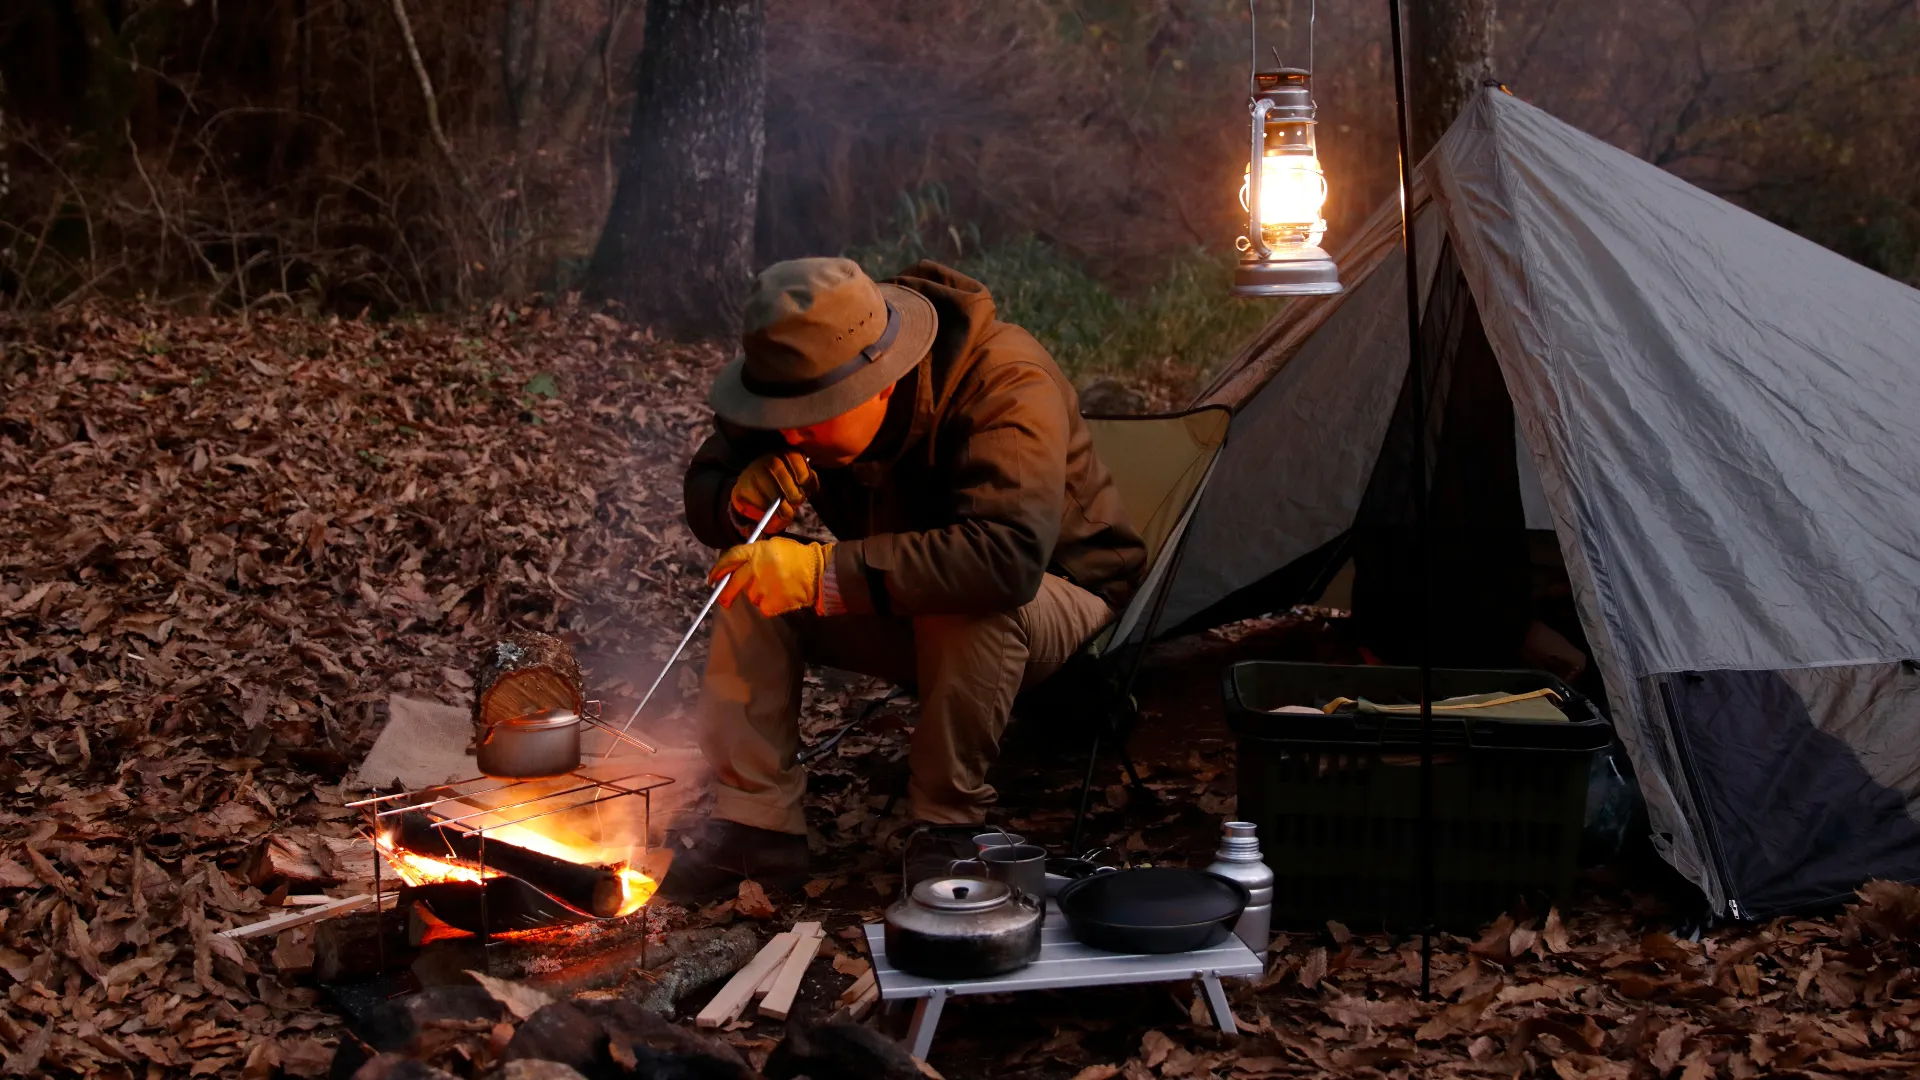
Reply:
x=1253, y=41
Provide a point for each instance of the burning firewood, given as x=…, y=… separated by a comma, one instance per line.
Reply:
x=596, y=890
x=525, y=674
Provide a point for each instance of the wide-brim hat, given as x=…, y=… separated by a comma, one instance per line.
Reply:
x=820, y=338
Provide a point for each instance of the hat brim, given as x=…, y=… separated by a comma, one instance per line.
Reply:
x=735, y=404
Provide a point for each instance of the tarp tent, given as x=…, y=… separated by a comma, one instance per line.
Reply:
x=1721, y=422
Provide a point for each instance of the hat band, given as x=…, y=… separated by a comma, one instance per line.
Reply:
x=820, y=382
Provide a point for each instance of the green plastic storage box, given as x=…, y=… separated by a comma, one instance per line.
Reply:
x=1337, y=797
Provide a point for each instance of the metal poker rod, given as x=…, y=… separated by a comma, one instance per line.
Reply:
x=698, y=619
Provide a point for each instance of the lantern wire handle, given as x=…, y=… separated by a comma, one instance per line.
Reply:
x=1253, y=49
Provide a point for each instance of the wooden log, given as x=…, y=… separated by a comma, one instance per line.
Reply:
x=595, y=890
x=351, y=947
x=527, y=673
x=693, y=970
x=806, y=945
x=733, y=997
x=313, y=862
x=281, y=858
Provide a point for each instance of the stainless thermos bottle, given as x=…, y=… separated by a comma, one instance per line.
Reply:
x=1239, y=860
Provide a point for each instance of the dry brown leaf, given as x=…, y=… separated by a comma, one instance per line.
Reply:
x=1495, y=944
x=520, y=999
x=15, y=876
x=1097, y=1072
x=1314, y=969
x=1454, y=1019
x=1154, y=1048
x=1554, y=933
x=1470, y=973
x=1338, y=931
x=1697, y=1066
x=753, y=902
x=1667, y=1046
x=1351, y=1011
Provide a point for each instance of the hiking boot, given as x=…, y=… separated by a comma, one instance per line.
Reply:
x=724, y=853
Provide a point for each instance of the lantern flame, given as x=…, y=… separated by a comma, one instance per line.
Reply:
x=1292, y=192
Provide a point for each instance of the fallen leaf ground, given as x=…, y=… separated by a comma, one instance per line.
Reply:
x=228, y=541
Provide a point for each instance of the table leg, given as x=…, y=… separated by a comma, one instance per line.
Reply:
x=926, y=1017
x=1217, y=1002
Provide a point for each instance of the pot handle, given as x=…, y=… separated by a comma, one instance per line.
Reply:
x=954, y=866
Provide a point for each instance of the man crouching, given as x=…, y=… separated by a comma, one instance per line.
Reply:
x=979, y=541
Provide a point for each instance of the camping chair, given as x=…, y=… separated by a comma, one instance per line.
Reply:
x=1161, y=464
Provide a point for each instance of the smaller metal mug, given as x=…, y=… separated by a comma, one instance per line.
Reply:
x=1021, y=867
x=997, y=838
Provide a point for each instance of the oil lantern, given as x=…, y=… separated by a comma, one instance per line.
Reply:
x=1283, y=193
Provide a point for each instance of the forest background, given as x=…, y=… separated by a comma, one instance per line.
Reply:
x=1080, y=156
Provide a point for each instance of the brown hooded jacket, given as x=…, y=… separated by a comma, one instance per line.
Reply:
x=982, y=479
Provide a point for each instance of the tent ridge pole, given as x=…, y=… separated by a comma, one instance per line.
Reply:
x=1416, y=374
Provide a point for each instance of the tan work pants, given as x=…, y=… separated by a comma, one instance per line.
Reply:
x=965, y=669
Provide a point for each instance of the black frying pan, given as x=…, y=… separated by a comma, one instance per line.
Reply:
x=1159, y=909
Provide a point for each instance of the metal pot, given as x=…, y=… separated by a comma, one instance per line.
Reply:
x=531, y=747
x=962, y=928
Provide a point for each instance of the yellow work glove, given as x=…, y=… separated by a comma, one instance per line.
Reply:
x=777, y=575
x=784, y=476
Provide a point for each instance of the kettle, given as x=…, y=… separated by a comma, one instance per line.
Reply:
x=962, y=928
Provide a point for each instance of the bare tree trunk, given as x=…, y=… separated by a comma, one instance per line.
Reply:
x=1450, y=44
x=677, y=249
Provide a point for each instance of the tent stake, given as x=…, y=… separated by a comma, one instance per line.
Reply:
x=1416, y=373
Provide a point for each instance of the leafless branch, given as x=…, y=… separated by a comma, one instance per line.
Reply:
x=434, y=127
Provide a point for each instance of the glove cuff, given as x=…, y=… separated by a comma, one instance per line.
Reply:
x=827, y=600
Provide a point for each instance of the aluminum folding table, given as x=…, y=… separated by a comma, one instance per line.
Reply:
x=1064, y=963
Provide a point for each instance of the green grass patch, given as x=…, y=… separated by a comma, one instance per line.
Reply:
x=1185, y=325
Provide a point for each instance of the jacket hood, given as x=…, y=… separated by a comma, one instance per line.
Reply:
x=965, y=310
x=964, y=306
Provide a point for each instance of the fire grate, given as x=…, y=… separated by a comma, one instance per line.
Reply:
x=466, y=814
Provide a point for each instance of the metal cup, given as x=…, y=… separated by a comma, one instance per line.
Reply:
x=985, y=840
x=1021, y=867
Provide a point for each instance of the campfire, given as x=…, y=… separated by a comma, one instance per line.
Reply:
x=635, y=888
x=488, y=857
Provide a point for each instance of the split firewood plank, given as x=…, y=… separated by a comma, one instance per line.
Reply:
x=779, y=1000
x=860, y=986
x=300, y=918
x=766, y=984
x=856, y=1000
x=733, y=997
x=864, y=1003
